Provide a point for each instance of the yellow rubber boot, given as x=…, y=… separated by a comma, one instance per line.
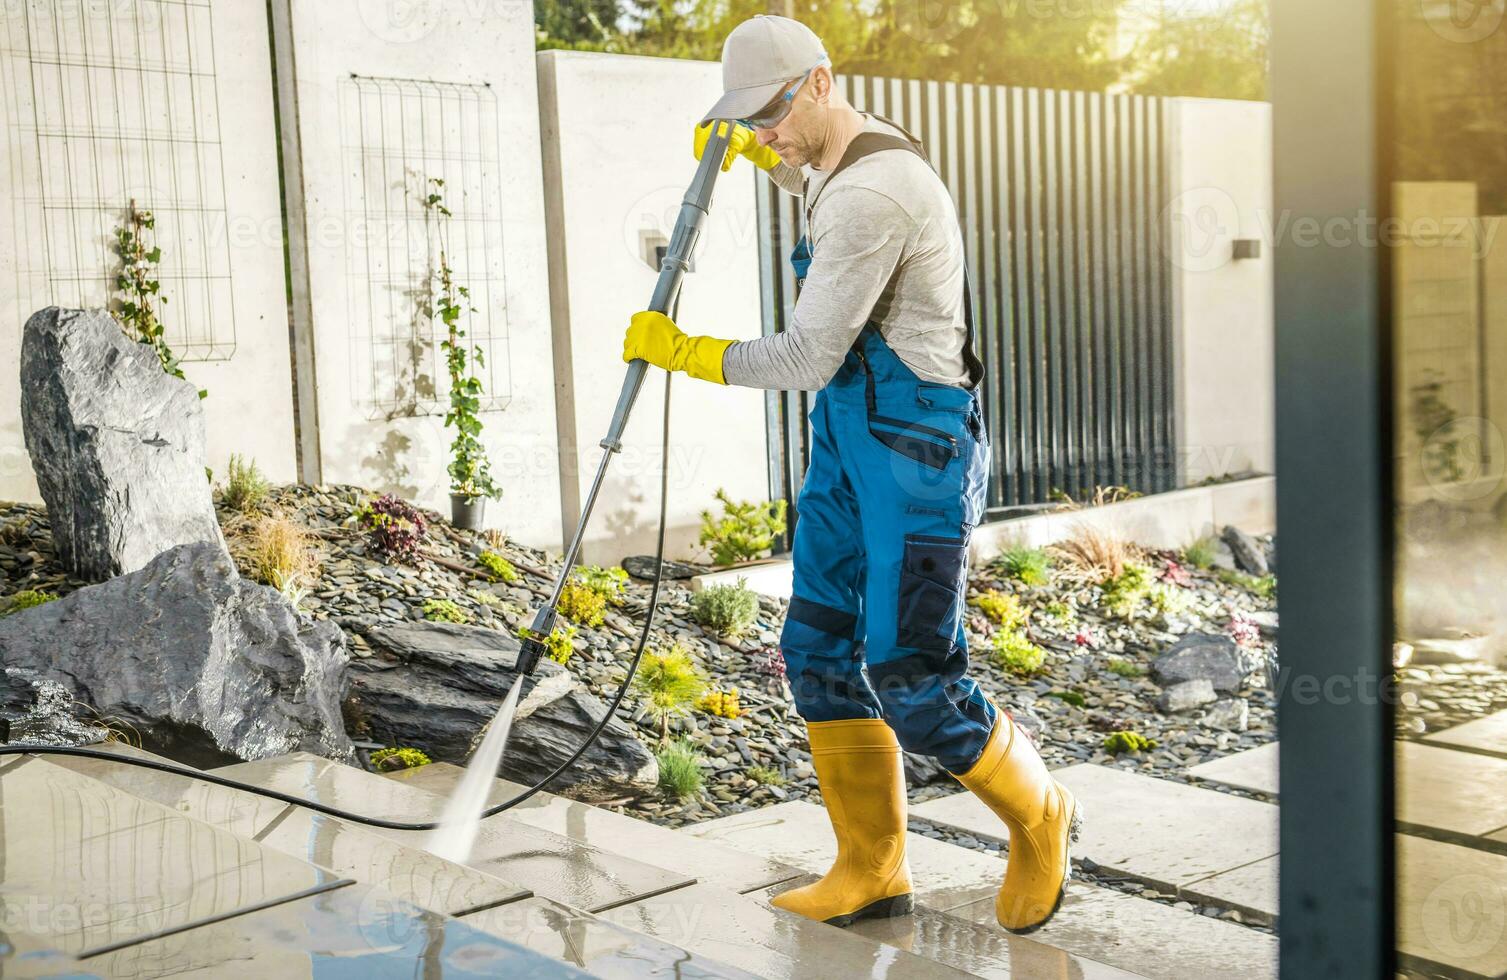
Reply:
x=858, y=767
x=1042, y=816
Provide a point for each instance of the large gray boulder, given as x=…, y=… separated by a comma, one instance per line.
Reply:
x=1247, y=552
x=116, y=444
x=206, y=666
x=1205, y=656
x=434, y=686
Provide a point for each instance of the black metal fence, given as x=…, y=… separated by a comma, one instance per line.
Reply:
x=1060, y=195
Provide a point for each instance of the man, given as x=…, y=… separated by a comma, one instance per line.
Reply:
x=874, y=639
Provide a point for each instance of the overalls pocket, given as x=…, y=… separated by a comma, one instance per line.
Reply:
x=933, y=573
x=922, y=443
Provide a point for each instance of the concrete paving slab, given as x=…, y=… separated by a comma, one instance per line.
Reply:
x=1146, y=937
x=356, y=931
x=800, y=833
x=594, y=942
x=1488, y=734
x=1252, y=890
x=980, y=948
x=695, y=857
x=1447, y=789
x=409, y=873
x=1162, y=832
x=766, y=941
x=239, y=812
x=547, y=864
x=1253, y=769
x=1452, y=905
x=86, y=865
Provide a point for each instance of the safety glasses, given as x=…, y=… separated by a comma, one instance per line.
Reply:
x=773, y=114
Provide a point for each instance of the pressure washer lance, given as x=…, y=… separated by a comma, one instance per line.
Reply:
x=672, y=269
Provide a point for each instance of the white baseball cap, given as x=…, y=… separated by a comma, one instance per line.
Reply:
x=761, y=56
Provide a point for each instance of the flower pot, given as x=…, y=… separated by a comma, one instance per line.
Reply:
x=466, y=512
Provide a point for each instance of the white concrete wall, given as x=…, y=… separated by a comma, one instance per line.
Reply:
x=387, y=95
x=1220, y=190
x=617, y=145
x=185, y=126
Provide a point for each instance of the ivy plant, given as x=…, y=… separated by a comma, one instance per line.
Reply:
x=140, y=290
x=470, y=470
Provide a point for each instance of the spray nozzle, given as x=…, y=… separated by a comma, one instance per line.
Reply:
x=532, y=649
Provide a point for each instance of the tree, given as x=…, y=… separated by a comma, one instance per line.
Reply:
x=1220, y=54
x=580, y=24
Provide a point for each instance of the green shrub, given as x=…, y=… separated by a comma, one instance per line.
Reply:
x=1169, y=600
x=765, y=775
x=1060, y=612
x=1015, y=653
x=1002, y=608
x=557, y=646
x=485, y=598
x=444, y=611
x=25, y=599
x=1125, y=594
x=1263, y=586
x=671, y=682
x=746, y=529
x=582, y=604
x=1125, y=668
x=391, y=760
x=1201, y=552
x=1117, y=742
x=726, y=609
x=1071, y=697
x=244, y=484
x=497, y=566
x=680, y=772
x=1028, y=566
x=610, y=582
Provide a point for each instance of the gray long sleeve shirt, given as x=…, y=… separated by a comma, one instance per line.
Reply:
x=885, y=246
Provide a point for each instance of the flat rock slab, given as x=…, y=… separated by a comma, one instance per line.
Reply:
x=980, y=948
x=1159, y=831
x=766, y=941
x=1463, y=792
x=1147, y=937
x=1254, y=769
x=1253, y=890
x=547, y=864
x=355, y=931
x=594, y=942
x=799, y=833
x=1488, y=734
x=616, y=833
x=125, y=867
x=1451, y=906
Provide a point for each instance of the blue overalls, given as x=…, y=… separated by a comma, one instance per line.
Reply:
x=895, y=485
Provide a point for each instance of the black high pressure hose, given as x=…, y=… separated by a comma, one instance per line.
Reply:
x=209, y=777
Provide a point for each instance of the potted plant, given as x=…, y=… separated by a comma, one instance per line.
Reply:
x=471, y=481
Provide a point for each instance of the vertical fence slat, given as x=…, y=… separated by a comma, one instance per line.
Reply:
x=1061, y=196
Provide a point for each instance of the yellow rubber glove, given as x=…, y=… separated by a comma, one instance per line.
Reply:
x=655, y=338
x=743, y=142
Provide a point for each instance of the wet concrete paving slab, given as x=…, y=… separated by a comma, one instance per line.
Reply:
x=1146, y=937
x=595, y=943
x=1153, y=829
x=694, y=857
x=766, y=941
x=980, y=948
x=355, y=931
x=547, y=864
x=87, y=865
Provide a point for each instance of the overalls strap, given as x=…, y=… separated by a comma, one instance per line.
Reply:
x=862, y=145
